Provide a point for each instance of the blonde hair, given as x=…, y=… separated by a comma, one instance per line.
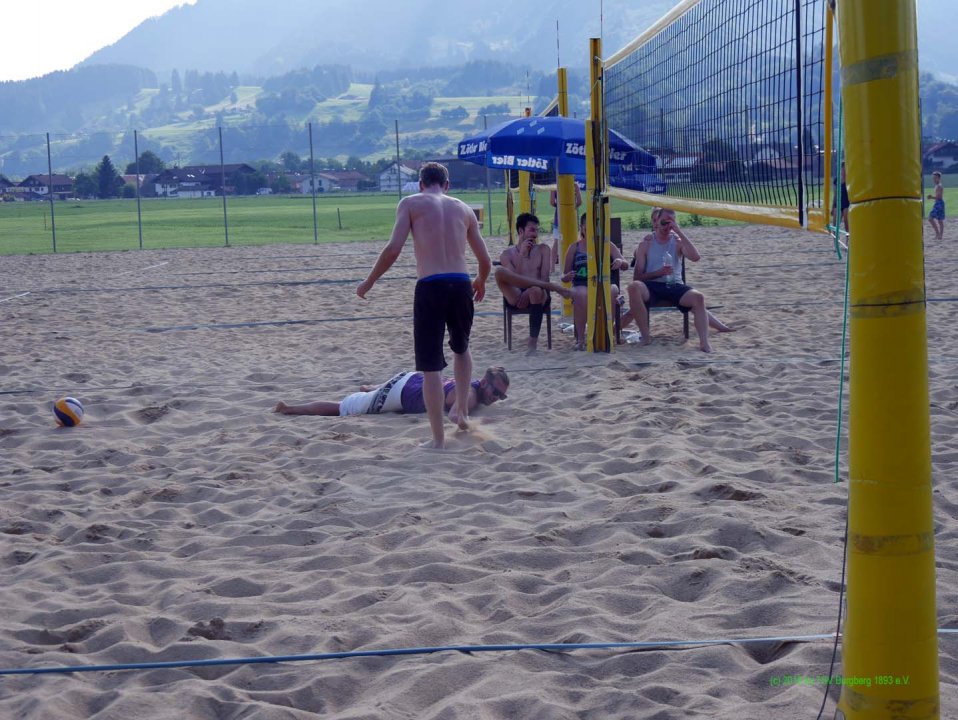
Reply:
x=656, y=211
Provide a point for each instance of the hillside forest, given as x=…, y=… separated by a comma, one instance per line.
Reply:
x=91, y=112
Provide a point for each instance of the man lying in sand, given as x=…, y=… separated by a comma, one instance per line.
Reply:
x=441, y=227
x=404, y=393
x=655, y=258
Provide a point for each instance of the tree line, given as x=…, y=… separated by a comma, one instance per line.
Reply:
x=104, y=181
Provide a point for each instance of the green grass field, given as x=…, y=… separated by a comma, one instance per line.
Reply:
x=98, y=225
x=94, y=225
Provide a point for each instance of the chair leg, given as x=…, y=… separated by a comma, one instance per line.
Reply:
x=549, y=327
x=685, y=325
x=509, y=330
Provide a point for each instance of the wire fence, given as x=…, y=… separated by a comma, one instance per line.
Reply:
x=213, y=193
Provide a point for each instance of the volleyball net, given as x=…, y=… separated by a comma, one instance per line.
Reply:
x=733, y=99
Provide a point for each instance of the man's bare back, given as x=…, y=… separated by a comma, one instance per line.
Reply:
x=440, y=226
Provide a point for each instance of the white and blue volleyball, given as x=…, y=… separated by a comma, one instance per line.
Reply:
x=68, y=411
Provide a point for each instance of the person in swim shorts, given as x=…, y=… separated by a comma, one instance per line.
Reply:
x=936, y=218
x=441, y=227
x=403, y=393
x=845, y=203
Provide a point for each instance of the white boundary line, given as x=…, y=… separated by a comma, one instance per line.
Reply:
x=14, y=297
x=149, y=267
x=125, y=272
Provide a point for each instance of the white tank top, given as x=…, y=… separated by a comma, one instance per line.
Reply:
x=656, y=253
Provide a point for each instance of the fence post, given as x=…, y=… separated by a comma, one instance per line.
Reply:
x=312, y=184
x=136, y=183
x=226, y=227
x=53, y=222
x=398, y=168
x=485, y=126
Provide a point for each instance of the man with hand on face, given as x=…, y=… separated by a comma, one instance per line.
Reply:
x=523, y=275
x=658, y=262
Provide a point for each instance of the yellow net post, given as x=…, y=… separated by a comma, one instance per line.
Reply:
x=565, y=193
x=890, y=637
x=510, y=210
x=599, y=330
x=525, y=185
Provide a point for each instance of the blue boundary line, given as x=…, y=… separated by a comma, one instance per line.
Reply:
x=338, y=281
x=637, y=364
x=548, y=647
x=560, y=647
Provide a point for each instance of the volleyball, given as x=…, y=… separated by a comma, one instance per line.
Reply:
x=68, y=411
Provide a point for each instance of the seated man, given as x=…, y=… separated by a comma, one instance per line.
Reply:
x=523, y=275
x=576, y=270
x=403, y=394
x=656, y=258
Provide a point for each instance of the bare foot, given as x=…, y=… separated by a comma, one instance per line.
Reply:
x=463, y=424
x=433, y=445
x=280, y=408
x=725, y=328
x=366, y=388
x=706, y=348
x=645, y=340
x=532, y=345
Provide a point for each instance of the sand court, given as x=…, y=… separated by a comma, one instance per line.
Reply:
x=652, y=494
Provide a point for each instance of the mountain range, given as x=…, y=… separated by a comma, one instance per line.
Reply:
x=265, y=37
x=262, y=70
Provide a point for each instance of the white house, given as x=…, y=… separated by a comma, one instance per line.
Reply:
x=324, y=183
x=941, y=156
x=391, y=181
x=677, y=168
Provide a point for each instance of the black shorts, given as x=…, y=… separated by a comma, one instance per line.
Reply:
x=440, y=302
x=846, y=203
x=669, y=293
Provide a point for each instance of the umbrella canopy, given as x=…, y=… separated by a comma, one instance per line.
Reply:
x=546, y=144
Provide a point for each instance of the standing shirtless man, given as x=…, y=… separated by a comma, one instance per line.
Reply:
x=441, y=226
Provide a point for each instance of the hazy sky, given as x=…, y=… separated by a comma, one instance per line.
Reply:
x=40, y=37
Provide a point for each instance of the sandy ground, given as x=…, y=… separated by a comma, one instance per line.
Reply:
x=651, y=494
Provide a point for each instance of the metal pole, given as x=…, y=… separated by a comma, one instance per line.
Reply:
x=139, y=215
x=312, y=185
x=599, y=329
x=800, y=111
x=226, y=227
x=566, y=207
x=398, y=171
x=53, y=222
x=485, y=126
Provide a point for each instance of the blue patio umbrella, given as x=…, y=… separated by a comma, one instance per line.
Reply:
x=548, y=144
